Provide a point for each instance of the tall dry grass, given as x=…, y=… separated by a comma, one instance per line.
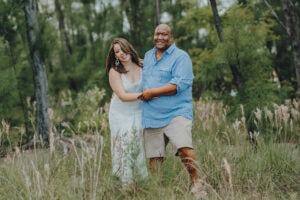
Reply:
x=79, y=166
x=228, y=163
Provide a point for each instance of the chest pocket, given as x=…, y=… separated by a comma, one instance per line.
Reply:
x=164, y=74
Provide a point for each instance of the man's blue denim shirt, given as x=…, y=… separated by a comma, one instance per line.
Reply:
x=175, y=66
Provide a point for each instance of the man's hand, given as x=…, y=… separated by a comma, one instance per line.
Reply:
x=147, y=95
x=166, y=90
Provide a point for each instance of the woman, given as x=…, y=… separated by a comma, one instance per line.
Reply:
x=124, y=68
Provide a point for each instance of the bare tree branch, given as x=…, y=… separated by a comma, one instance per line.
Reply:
x=274, y=14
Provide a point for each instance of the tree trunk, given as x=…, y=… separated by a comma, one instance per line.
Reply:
x=157, y=12
x=217, y=19
x=62, y=27
x=292, y=29
x=42, y=126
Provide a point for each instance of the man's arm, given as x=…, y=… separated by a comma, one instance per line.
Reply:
x=168, y=89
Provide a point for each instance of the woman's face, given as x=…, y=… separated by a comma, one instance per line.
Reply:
x=122, y=56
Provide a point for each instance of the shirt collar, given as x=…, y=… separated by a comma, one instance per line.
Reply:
x=169, y=50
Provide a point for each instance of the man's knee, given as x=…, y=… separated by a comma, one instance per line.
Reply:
x=186, y=153
x=157, y=159
x=155, y=164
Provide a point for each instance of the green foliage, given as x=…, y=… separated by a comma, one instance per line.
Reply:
x=15, y=83
x=280, y=45
x=140, y=15
x=7, y=74
x=10, y=19
x=244, y=46
x=79, y=113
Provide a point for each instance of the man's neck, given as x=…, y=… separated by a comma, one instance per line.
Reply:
x=159, y=54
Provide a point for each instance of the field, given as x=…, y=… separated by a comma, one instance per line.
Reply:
x=79, y=167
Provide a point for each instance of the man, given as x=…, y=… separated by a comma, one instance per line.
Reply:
x=167, y=103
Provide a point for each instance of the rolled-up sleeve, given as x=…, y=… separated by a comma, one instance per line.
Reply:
x=182, y=73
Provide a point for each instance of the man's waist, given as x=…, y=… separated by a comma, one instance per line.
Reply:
x=161, y=121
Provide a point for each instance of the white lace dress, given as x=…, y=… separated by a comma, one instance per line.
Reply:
x=128, y=159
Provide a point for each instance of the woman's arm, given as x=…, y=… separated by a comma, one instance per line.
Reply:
x=118, y=88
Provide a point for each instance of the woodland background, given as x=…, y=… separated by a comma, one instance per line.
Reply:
x=235, y=47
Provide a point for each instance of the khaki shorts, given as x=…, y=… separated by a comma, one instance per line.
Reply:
x=178, y=132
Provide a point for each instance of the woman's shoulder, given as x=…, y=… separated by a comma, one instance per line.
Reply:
x=114, y=73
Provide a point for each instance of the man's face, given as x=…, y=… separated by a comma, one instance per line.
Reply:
x=162, y=37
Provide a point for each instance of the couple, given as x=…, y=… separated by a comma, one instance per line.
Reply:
x=152, y=105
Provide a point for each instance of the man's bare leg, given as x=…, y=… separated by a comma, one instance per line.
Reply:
x=188, y=158
x=155, y=164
